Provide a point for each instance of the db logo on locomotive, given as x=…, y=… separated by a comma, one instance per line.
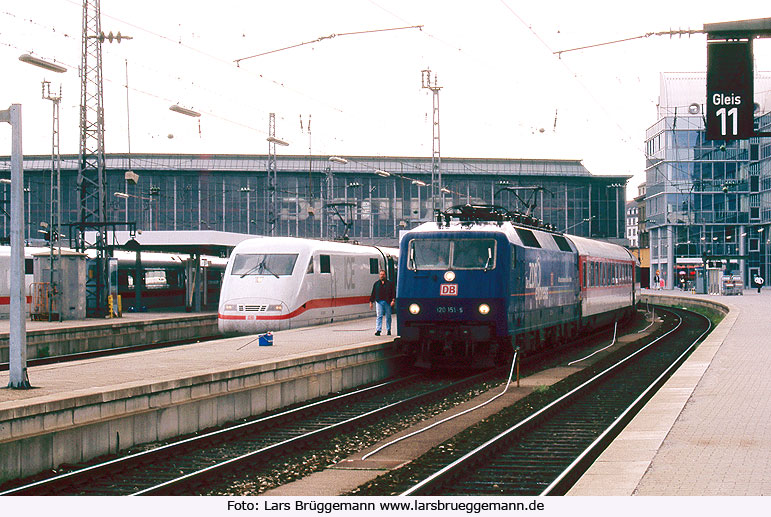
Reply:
x=448, y=290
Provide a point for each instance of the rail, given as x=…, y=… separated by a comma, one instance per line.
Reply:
x=439, y=481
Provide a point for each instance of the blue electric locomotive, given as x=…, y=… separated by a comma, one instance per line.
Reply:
x=471, y=288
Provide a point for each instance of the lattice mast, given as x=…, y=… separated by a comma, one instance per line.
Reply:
x=437, y=189
x=92, y=181
x=272, y=198
x=55, y=220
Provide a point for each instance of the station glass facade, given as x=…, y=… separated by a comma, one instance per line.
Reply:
x=319, y=198
x=706, y=199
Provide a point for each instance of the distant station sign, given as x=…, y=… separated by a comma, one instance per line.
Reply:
x=730, y=103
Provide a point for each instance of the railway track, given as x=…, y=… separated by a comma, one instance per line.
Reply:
x=189, y=465
x=545, y=453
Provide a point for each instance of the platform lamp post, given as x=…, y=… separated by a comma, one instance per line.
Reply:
x=138, y=271
x=55, y=220
x=18, y=332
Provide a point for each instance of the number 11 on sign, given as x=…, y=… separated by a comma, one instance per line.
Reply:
x=733, y=113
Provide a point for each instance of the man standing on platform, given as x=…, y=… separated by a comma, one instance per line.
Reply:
x=384, y=295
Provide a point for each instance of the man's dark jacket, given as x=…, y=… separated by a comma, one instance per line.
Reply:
x=383, y=290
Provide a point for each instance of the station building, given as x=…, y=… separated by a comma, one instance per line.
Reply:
x=707, y=202
x=366, y=199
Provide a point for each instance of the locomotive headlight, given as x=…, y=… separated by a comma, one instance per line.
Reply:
x=484, y=308
x=449, y=276
x=414, y=308
x=230, y=307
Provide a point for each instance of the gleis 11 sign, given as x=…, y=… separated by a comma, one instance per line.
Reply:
x=730, y=103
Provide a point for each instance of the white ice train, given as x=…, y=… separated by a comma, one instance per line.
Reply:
x=5, y=277
x=276, y=283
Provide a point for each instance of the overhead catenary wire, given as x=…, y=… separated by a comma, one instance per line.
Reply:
x=679, y=32
x=212, y=57
x=627, y=139
x=280, y=84
x=322, y=38
x=178, y=42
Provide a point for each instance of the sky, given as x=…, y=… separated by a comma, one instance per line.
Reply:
x=504, y=92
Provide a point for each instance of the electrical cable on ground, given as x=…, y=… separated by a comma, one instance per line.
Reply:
x=615, y=327
x=508, y=382
x=653, y=320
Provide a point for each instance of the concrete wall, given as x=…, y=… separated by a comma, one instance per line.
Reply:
x=42, y=436
x=115, y=333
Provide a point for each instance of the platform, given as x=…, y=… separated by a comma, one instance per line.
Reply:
x=56, y=338
x=706, y=432
x=83, y=409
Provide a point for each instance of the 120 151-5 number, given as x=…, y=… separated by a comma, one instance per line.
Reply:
x=449, y=310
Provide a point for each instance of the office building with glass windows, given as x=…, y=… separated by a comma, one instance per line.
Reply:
x=707, y=202
x=367, y=199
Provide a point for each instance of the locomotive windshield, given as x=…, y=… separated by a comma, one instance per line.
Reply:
x=452, y=254
x=274, y=264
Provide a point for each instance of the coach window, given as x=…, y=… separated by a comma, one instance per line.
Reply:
x=324, y=264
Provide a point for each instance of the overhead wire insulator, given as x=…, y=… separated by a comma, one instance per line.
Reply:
x=110, y=37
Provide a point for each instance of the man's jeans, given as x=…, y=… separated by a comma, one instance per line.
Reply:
x=383, y=309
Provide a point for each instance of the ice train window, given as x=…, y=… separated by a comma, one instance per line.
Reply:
x=324, y=264
x=260, y=264
x=374, y=268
